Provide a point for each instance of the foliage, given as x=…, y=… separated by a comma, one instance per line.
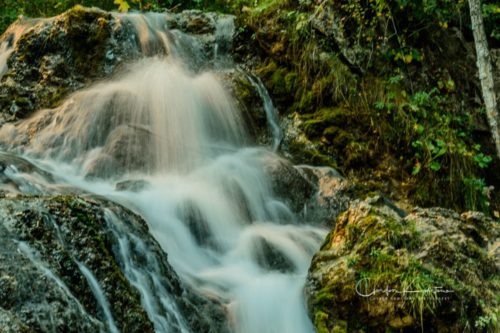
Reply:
x=437, y=138
x=491, y=14
x=408, y=105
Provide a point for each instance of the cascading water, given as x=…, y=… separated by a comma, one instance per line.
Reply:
x=271, y=113
x=207, y=199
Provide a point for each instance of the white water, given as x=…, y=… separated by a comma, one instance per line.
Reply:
x=99, y=296
x=223, y=42
x=5, y=51
x=271, y=113
x=145, y=276
x=209, y=203
x=33, y=257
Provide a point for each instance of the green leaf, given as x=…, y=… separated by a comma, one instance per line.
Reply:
x=435, y=166
x=419, y=128
x=123, y=5
x=379, y=105
x=416, y=169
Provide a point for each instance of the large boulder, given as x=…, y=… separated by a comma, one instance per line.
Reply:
x=58, y=251
x=431, y=271
x=44, y=60
x=53, y=57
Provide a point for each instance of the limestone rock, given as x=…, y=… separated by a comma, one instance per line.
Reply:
x=433, y=271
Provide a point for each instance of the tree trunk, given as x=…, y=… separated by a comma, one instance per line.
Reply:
x=485, y=71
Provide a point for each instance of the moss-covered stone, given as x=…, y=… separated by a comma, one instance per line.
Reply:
x=64, y=232
x=430, y=271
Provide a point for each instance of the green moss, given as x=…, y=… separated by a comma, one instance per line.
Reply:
x=315, y=157
x=316, y=123
x=87, y=31
x=340, y=327
x=320, y=322
x=291, y=81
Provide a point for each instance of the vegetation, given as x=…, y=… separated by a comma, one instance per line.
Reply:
x=386, y=102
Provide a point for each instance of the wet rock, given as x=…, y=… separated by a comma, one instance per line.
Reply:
x=123, y=151
x=433, y=270
x=197, y=225
x=12, y=175
x=317, y=194
x=47, y=59
x=289, y=184
x=43, y=288
x=133, y=185
x=249, y=103
x=271, y=258
x=333, y=194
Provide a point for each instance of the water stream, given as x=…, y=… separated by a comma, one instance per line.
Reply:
x=207, y=199
x=271, y=113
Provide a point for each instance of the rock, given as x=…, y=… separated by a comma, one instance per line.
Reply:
x=249, y=103
x=133, y=185
x=298, y=147
x=43, y=288
x=329, y=24
x=317, y=194
x=288, y=184
x=123, y=151
x=333, y=195
x=47, y=59
x=54, y=57
x=12, y=169
x=431, y=271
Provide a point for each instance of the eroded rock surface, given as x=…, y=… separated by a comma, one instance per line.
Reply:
x=433, y=270
x=45, y=243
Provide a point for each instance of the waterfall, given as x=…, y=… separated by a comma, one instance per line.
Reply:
x=31, y=254
x=156, y=117
x=224, y=31
x=169, y=122
x=271, y=113
x=145, y=276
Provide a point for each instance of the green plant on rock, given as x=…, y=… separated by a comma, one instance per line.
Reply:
x=437, y=139
x=489, y=320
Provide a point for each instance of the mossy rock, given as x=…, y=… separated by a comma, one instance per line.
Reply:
x=431, y=271
x=52, y=236
x=53, y=57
